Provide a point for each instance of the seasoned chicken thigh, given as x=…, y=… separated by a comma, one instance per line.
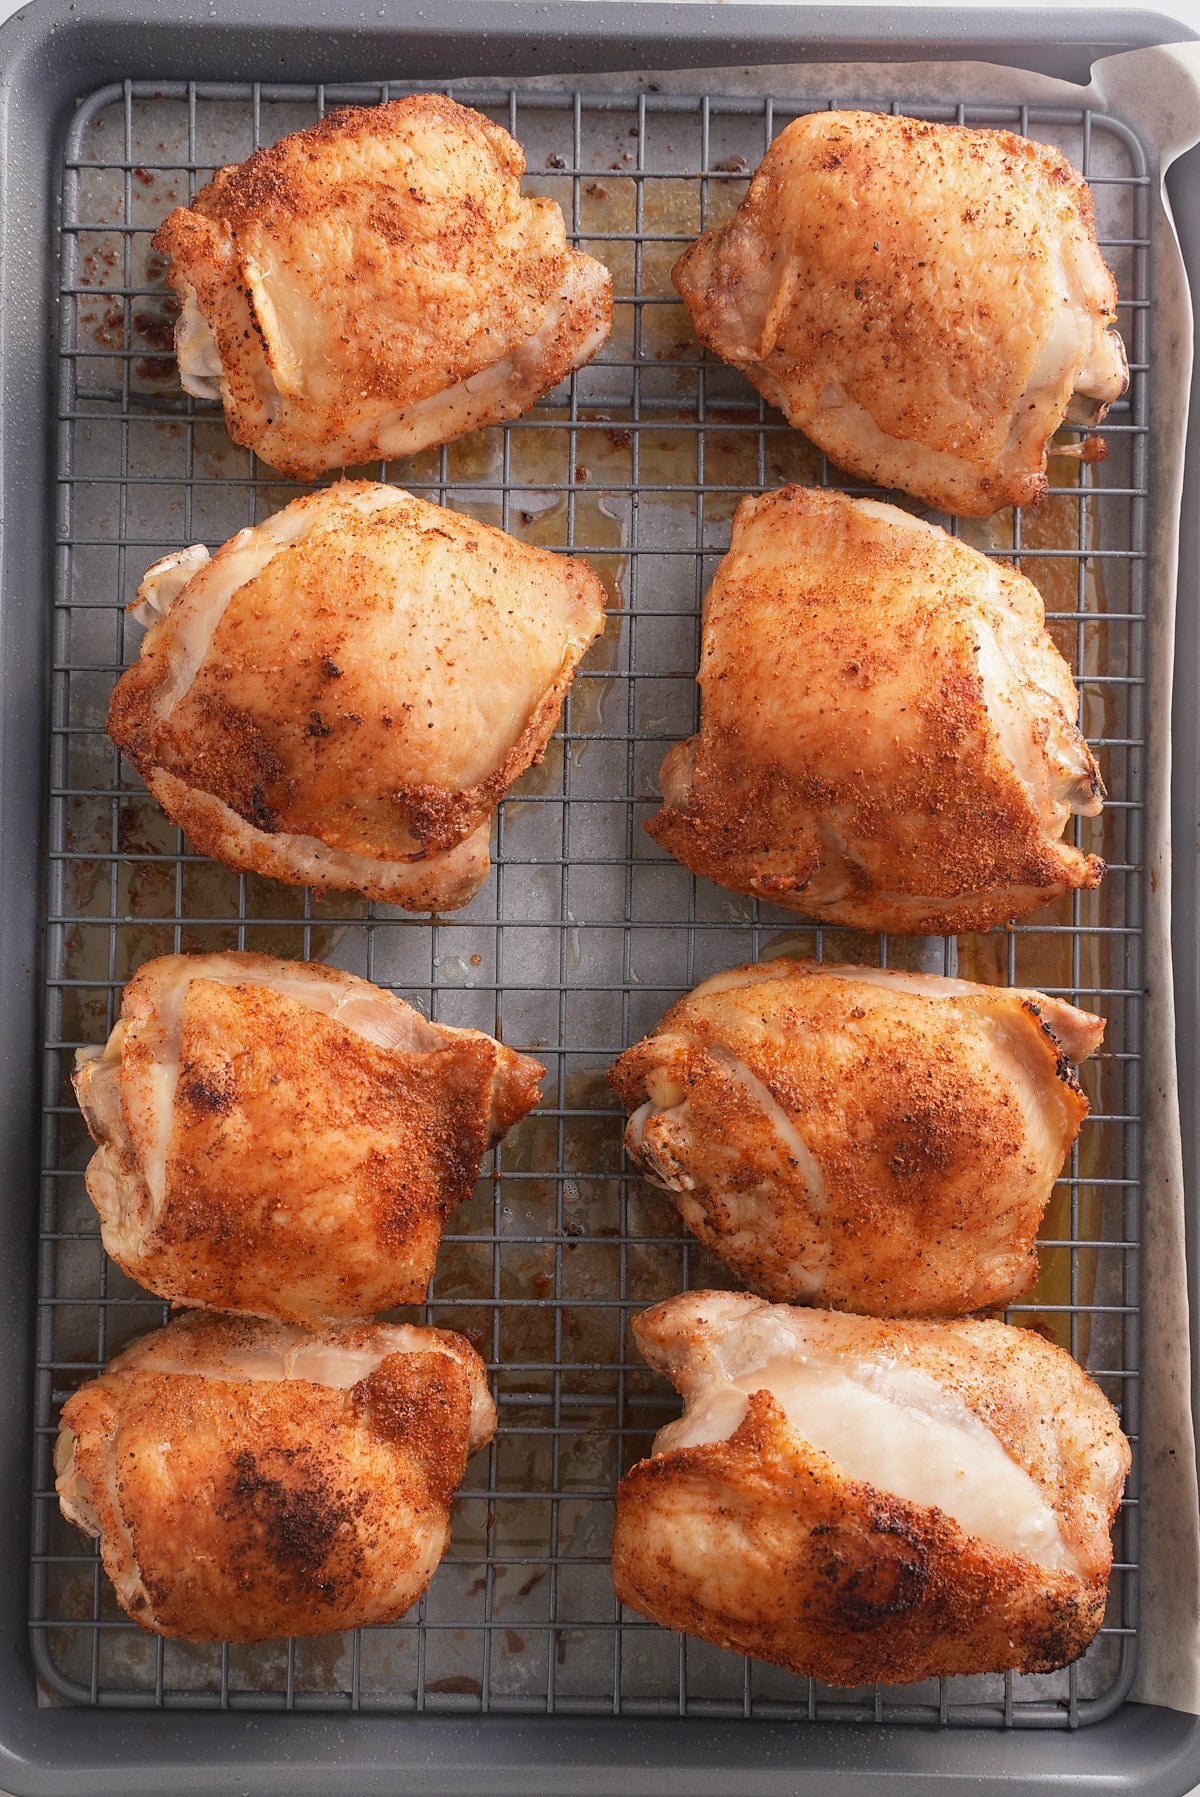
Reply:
x=887, y=732
x=927, y=302
x=249, y=1480
x=376, y=284
x=282, y=1138
x=859, y=1500
x=858, y=1138
x=342, y=695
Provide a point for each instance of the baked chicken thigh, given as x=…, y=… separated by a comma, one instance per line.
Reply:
x=284, y=1139
x=249, y=1480
x=927, y=302
x=341, y=695
x=859, y=1500
x=887, y=732
x=376, y=284
x=859, y=1138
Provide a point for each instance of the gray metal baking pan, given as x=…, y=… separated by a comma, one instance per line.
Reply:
x=74, y=449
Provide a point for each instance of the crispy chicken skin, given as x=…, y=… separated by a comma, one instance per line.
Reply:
x=249, y=1480
x=858, y=1138
x=376, y=284
x=859, y=1500
x=887, y=734
x=927, y=302
x=283, y=1139
x=341, y=695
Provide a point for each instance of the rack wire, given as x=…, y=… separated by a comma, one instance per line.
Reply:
x=585, y=931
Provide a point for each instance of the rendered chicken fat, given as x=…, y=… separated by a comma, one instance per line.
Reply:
x=248, y=1480
x=860, y=1138
x=888, y=734
x=363, y=743
x=927, y=302
x=282, y=1139
x=858, y=1500
x=376, y=284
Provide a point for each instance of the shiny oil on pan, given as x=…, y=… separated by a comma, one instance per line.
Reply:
x=584, y=933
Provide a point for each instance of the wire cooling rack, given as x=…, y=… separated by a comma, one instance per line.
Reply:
x=585, y=931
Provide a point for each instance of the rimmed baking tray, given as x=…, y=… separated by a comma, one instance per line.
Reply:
x=583, y=936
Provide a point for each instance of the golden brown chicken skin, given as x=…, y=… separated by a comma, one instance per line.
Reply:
x=341, y=695
x=860, y=1138
x=376, y=284
x=248, y=1480
x=927, y=302
x=284, y=1139
x=858, y=1500
x=887, y=732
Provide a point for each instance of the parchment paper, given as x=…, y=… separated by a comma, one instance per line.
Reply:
x=1157, y=91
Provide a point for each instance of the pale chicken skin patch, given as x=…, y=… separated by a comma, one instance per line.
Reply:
x=859, y=1500
x=376, y=284
x=283, y=1139
x=888, y=734
x=858, y=1138
x=342, y=694
x=926, y=302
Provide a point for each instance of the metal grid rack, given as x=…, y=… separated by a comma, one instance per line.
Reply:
x=584, y=933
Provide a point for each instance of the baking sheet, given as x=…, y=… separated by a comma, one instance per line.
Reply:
x=588, y=962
